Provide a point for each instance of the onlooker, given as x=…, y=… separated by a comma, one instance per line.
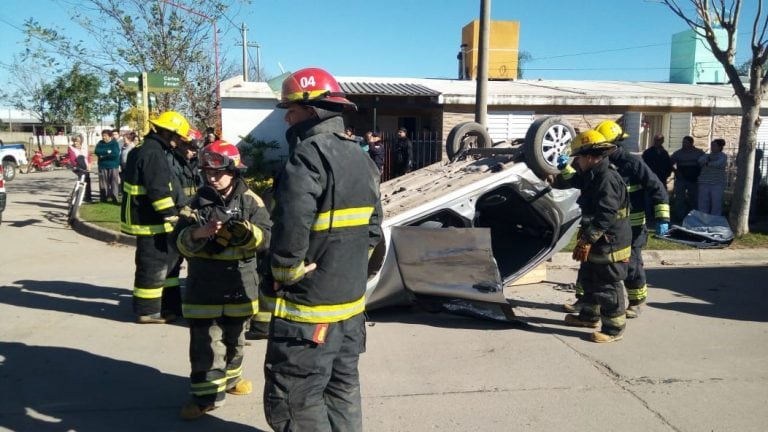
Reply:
x=108, y=153
x=80, y=160
x=350, y=132
x=658, y=160
x=713, y=178
x=685, y=164
x=376, y=149
x=403, y=153
x=129, y=142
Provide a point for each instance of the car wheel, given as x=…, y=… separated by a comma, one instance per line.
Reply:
x=9, y=170
x=466, y=135
x=546, y=139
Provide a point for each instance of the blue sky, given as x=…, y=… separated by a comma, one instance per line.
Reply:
x=591, y=39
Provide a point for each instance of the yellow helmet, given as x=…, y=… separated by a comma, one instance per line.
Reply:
x=174, y=122
x=611, y=131
x=589, y=140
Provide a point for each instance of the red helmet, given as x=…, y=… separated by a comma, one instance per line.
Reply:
x=221, y=155
x=316, y=87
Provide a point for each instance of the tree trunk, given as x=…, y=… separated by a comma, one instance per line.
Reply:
x=745, y=166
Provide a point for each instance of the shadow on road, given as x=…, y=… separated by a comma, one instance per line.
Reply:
x=63, y=389
x=419, y=316
x=70, y=297
x=736, y=293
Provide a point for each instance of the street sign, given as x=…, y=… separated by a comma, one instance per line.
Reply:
x=131, y=80
x=163, y=82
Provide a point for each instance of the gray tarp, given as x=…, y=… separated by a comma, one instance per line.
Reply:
x=701, y=230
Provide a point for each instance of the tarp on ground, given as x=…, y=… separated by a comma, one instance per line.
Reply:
x=701, y=230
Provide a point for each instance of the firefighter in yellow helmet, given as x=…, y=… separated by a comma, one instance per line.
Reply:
x=603, y=238
x=642, y=185
x=326, y=219
x=149, y=212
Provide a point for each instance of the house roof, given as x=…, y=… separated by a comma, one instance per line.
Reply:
x=386, y=89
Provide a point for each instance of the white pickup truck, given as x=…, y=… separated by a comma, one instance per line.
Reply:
x=12, y=156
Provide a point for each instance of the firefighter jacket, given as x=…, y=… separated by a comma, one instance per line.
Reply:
x=640, y=180
x=222, y=280
x=326, y=211
x=148, y=205
x=186, y=178
x=604, y=211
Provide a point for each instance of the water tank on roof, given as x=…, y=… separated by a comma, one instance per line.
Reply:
x=692, y=61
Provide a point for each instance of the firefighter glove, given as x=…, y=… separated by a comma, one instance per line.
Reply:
x=562, y=161
x=223, y=237
x=241, y=232
x=581, y=250
x=662, y=228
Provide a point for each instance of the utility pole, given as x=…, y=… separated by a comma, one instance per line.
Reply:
x=246, y=44
x=481, y=103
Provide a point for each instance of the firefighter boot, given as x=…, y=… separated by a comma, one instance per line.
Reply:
x=192, y=411
x=633, y=310
x=243, y=387
x=574, y=307
x=601, y=337
x=154, y=318
x=575, y=321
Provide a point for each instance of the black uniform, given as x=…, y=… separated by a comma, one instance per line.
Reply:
x=403, y=156
x=148, y=212
x=641, y=183
x=327, y=211
x=222, y=290
x=605, y=225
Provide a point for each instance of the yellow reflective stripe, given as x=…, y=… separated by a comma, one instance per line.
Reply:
x=171, y=282
x=637, y=218
x=568, y=172
x=263, y=317
x=148, y=293
x=201, y=311
x=208, y=387
x=190, y=190
x=622, y=213
x=132, y=189
x=162, y=204
x=146, y=229
x=637, y=293
x=317, y=314
x=634, y=188
x=288, y=274
x=661, y=211
x=305, y=95
x=621, y=255
x=241, y=309
x=234, y=373
x=342, y=218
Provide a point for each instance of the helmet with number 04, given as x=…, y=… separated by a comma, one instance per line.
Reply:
x=221, y=155
x=611, y=130
x=314, y=87
x=174, y=122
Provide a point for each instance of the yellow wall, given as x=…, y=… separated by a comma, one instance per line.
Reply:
x=502, y=52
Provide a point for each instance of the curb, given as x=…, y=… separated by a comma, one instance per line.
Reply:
x=680, y=257
x=98, y=233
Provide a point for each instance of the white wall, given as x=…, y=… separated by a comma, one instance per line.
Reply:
x=255, y=117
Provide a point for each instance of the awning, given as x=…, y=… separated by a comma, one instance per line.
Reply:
x=386, y=89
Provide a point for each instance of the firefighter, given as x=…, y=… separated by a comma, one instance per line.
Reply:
x=149, y=212
x=326, y=221
x=603, y=239
x=641, y=183
x=220, y=242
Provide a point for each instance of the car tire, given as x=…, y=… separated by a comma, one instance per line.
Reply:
x=465, y=135
x=9, y=170
x=547, y=138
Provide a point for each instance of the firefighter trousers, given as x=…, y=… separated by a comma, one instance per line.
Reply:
x=216, y=356
x=604, y=295
x=154, y=289
x=311, y=386
x=637, y=288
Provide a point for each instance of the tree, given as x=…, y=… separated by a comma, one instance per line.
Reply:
x=153, y=36
x=708, y=15
x=32, y=91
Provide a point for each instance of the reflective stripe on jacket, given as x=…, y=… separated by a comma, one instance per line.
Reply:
x=327, y=211
x=640, y=180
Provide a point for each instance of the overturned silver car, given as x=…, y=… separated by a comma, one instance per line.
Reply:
x=456, y=232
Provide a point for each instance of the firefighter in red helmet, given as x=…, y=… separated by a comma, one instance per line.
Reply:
x=326, y=222
x=229, y=226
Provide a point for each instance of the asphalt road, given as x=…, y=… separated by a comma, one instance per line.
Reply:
x=71, y=359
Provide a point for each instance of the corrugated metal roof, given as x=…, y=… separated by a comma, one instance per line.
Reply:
x=386, y=89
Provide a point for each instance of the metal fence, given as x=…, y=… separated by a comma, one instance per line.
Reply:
x=427, y=149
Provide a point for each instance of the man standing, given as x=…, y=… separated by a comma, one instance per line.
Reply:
x=713, y=178
x=685, y=164
x=657, y=159
x=149, y=212
x=326, y=217
x=603, y=243
x=403, y=153
x=108, y=156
